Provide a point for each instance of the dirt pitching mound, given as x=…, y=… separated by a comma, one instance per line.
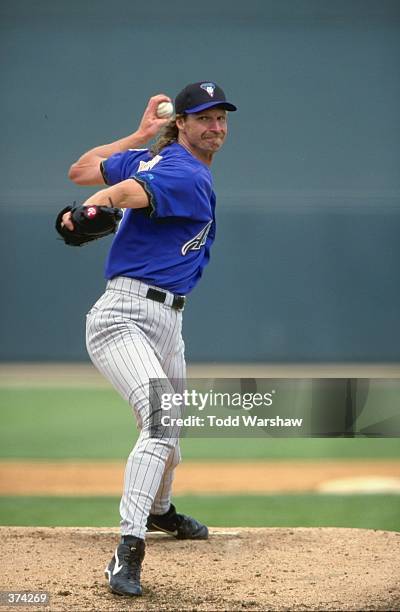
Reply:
x=236, y=569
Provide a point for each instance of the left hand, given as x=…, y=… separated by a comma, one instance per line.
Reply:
x=66, y=221
x=88, y=223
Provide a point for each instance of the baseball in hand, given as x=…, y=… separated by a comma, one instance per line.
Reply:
x=164, y=110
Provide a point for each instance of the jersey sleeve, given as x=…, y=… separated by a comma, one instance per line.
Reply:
x=120, y=166
x=175, y=190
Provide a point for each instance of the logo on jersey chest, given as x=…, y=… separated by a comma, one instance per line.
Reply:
x=198, y=241
x=144, y=166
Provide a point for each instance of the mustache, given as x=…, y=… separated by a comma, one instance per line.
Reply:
x=213, y=134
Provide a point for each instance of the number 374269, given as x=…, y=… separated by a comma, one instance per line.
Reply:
x=24, y=598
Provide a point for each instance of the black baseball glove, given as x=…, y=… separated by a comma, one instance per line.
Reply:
x=90, y=223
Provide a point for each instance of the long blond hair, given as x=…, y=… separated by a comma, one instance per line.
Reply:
x=167, y=136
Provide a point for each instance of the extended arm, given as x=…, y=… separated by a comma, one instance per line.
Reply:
x=126, y=194
x=86, y=170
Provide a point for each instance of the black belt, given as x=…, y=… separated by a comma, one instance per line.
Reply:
x=160, y=296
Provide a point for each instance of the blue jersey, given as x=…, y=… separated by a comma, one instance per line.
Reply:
x=168, y=243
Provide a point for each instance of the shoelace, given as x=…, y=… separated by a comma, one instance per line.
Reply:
x=132, y=562
x=179, y=520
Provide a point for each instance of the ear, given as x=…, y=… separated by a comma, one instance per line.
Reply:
x=180, y=122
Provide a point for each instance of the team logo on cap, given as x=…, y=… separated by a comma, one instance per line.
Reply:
x=209, y=88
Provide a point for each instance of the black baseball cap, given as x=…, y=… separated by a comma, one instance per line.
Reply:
x=199, y=96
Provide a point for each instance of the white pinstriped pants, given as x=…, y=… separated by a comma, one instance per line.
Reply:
x=131, y=339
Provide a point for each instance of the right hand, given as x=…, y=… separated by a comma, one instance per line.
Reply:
x=150, y=124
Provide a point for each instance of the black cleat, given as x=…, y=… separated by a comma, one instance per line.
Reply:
x=179, y=525
x=123, y=571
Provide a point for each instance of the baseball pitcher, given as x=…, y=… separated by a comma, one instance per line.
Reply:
x=161, y=245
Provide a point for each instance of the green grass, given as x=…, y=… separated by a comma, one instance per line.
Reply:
x=306, y=510
x=64, y=423
x=97, y=424
x=251, y=449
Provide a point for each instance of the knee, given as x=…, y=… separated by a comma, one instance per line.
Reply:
x=159, y=447
x=175, y=457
